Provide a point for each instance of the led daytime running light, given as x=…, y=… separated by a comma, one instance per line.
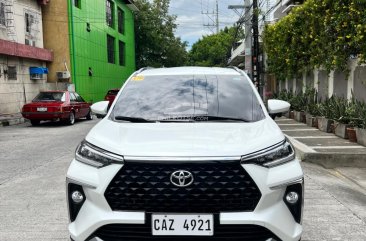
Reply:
x=96, y=157
x=273, y=156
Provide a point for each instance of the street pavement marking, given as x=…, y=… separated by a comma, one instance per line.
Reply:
x=337, y=147
x=284, y=119
x=315, y=137
x=302, y=130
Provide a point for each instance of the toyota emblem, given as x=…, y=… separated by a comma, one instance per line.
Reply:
x=181, y=178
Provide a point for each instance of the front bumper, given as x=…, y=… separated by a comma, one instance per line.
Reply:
x=270, y=213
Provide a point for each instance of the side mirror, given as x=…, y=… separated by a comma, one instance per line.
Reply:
x=277, y=107
x=100, y=109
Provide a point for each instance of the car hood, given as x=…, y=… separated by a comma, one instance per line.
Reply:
x=197, y=139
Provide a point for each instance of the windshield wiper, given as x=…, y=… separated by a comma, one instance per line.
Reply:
x=132, y=119
x=177, y=119
x=218, y=118
x=202, y=118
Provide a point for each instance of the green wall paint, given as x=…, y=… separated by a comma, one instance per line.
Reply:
x=89, y=49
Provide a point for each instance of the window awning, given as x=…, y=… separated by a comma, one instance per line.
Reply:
x=38, y=70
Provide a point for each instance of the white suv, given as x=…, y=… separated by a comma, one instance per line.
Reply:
x=186, y=153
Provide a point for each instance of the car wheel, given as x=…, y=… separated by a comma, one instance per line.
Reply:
x=35, y=122
x=89, y=116
x=71, y=119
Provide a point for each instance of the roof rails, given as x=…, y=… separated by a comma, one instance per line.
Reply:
x=143, y=69
x=236, y=69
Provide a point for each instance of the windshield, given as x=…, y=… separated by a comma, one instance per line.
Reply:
x=187, y=97
x=50, y=96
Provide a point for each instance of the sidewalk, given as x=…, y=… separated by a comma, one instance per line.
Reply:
x=347, y=159
x=11, y=119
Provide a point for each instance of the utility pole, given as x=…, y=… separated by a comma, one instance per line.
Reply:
x=214, y=17
x=246, y=20
x=255, y=59
x=217, y=17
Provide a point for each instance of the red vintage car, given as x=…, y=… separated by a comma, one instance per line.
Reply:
x=57, y=105
x=110, y=96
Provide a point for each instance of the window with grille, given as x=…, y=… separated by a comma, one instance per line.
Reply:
x=2, y=14
x=121, y=21
x=109, y=13
x=12, y=72
x=122, y=53
x=29, y=22
x=110, y=49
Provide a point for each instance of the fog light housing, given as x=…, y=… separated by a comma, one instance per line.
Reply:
x=292, y=197
x=294, y=200
x=77, y=197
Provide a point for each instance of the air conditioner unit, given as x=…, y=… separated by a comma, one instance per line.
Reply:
x=63, y=74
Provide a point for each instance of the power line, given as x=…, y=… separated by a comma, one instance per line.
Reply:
x=214, y=17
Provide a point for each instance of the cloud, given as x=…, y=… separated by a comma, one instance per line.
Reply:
x=191, y=21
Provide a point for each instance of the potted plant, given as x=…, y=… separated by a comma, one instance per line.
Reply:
x=298, y=104
x=311, y=107
x=360, y=109
x=342, y=114
x=326, y=115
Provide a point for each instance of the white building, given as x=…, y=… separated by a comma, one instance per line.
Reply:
x=284, y=7
x=22, y=56
x=242, y=48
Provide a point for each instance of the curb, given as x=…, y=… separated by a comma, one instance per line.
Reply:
x=11, y=121
x=327, y=160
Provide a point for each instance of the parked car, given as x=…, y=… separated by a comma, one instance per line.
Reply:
x=186, y=153
x=57, y=105
x=111, y=95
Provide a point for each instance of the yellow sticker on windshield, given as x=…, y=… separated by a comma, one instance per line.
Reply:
x=138, y=78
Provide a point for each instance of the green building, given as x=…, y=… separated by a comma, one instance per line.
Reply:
x=93, y=41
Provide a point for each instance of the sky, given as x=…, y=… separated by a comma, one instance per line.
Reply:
x=190, y=19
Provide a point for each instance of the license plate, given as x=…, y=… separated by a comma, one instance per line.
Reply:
x=42, y=109
x=182, y=224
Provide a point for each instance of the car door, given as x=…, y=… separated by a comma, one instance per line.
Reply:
x=84, y=107
x=74, y=104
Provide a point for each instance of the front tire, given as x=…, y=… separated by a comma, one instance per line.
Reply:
x=89, y=116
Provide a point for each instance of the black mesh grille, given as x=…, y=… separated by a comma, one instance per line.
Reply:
x=142, y=232
x=217, y=187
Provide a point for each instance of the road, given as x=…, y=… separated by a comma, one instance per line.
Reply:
x=34, y=161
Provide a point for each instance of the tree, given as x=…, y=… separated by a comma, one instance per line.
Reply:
x=214, y=50
x=156, y=45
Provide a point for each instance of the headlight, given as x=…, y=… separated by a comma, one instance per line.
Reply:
x=94, y=156
x=273, y=156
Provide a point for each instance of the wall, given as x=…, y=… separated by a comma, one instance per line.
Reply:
x=340, y=84
x=90, y=49
x=333, y=83
x=19, y=8
x=56, y=36
x=323, y=83
x=14, y=93
x=360, y=83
